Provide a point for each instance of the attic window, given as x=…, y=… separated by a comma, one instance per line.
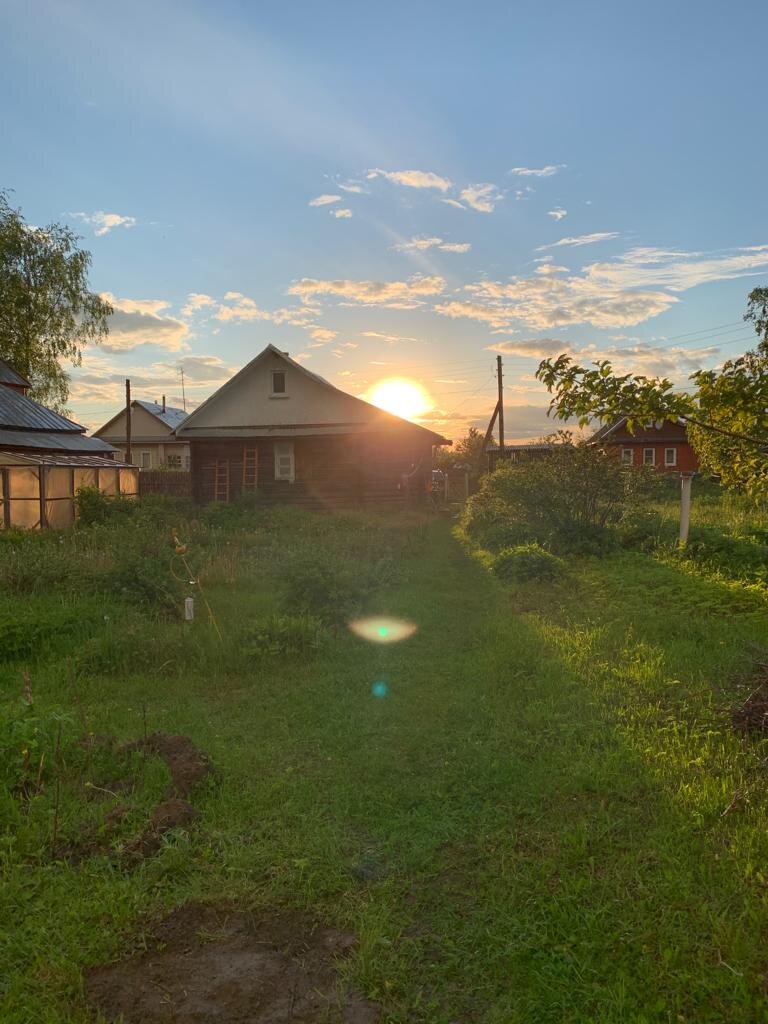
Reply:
x=278, y=382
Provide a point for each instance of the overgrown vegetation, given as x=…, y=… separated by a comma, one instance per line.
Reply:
x=568, y=501
x=537, y=808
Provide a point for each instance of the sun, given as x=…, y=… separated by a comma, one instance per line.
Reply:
x=401, y=396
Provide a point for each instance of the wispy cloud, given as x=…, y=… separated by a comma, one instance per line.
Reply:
x=395, y=294
x=537, y=172
x=482, y=198
x=421, y=244
x=412, y=179
x=352, y=186
x=390, y=338
x=324, y=200
x=240, y=307
x=454, y=202
x=558, y=213
x=672, y=361
x=102, y=223
x=597, y=236
x=342, y=214
x=678, y=271
x=142, y=322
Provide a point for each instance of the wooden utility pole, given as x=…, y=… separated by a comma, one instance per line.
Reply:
x=128, y=419
x=500, y=406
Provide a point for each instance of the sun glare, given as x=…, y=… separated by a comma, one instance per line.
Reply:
x=401, y=396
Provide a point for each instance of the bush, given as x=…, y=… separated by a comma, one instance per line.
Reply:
x=568, y=501
x=286, y=635
x=527, y=562
x=332, y=595
x=93, y=506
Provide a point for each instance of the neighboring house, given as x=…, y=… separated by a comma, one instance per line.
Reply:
x=280, y=431
x=664, y=445
x=153, y=443
x=45, y=458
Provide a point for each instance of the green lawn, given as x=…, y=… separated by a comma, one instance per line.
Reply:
x=546, y=818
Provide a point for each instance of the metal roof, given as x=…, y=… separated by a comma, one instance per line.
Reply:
x=172, y=416
x=56, y=459
x=57, y=440
x=21, y=413
x=542, y=446
x=9, y=376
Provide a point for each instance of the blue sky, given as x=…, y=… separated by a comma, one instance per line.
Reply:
x=522, y=177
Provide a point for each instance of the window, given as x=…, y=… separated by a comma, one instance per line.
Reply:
x=626, y=456
x=146, y=460
x=285, y=468
x=278, y=382
x=173, y=461
x=670, y=456
x=649, y=456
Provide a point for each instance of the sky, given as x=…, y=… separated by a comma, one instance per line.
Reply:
x=396, y=190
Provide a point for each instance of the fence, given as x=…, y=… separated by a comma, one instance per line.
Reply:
x=176, y=483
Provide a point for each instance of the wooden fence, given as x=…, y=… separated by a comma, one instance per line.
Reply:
x=176, y=483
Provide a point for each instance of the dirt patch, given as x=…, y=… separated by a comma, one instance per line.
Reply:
x=187, y=764
x=217, y=965
x=170, y=814
x=752, y=714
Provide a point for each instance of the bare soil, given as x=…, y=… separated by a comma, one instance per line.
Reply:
x=187, y=764
x=752, y=715
x=208, y=964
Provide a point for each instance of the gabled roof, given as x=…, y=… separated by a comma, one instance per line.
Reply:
x=9, y=376
x=170, y=416
x=367, y=415
x=609, y=428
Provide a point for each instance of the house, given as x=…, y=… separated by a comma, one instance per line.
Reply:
x=277, y=430
x=664, y=445
x=153, y=443
x=45, y=458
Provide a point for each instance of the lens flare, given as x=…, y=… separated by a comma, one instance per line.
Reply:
x=381, y=629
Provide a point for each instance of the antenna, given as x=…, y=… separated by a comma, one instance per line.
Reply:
x=183, y=393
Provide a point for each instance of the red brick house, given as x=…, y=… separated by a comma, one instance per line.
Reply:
x=664, y=445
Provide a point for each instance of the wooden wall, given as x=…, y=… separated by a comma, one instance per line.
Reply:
x=329, y=470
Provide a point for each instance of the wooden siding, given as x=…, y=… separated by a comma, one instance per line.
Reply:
x=329, y=471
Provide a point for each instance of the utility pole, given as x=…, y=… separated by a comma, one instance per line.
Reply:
x=500, y=405
x=183, y=392
x=128, y=419
x=685, y=507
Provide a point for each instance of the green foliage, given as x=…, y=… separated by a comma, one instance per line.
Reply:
x=284, y=636
x=93, y=506
x=27, y=739
x=334, y=594
x=468, y=452
x=527, y=562
x=567, y=501
x=27, y=634
x=47, y=312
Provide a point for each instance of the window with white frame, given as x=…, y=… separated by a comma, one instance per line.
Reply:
x=173, y=461
x=626, y=456
x=285, y=465
x=146, y=460
x=649, y=456
x=670, y=456
x=278, y=383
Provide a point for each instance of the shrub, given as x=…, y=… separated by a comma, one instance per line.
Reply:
x=568, y=500
x=331, y=594
x=93, y=506
x=527, y=562
x=286, y=635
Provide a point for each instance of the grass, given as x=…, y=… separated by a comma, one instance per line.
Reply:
x=543, y=815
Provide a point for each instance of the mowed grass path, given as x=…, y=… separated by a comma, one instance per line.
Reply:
x=537, y=823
